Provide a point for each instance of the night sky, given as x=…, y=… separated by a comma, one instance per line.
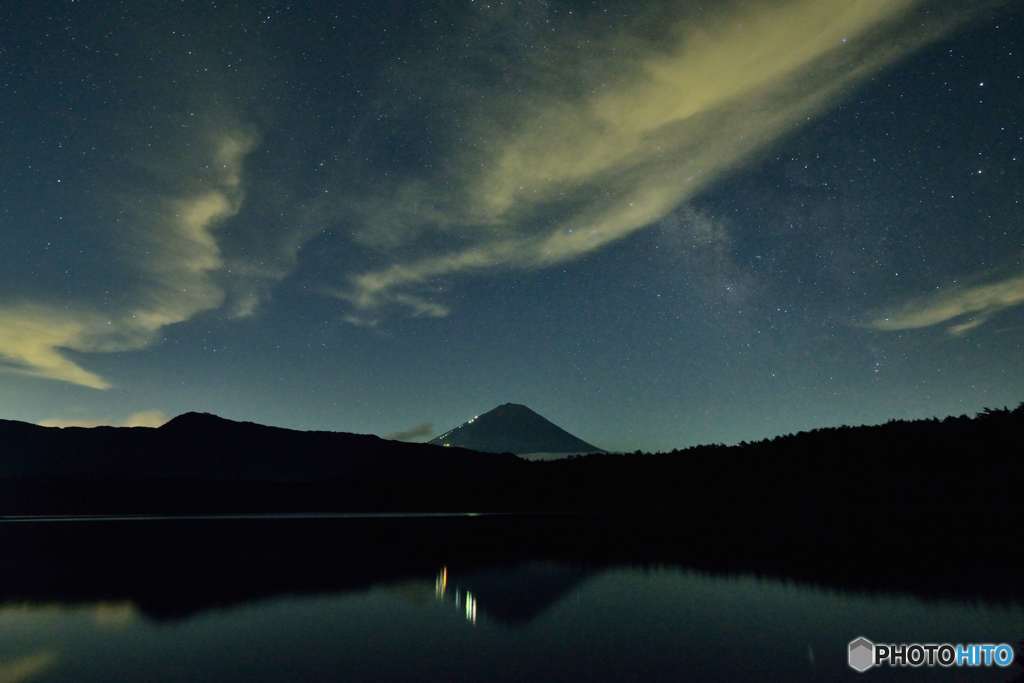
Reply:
x=655, y=223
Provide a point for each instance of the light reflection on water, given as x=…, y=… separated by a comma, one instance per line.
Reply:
x=465, y=597
x=534, y=621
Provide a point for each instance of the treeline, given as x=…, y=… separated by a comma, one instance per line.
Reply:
x=951, y=461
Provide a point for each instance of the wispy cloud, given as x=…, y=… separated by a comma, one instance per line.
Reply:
x=115, y=614
x=144, y=418
x=32, y=339
x=964, y=307
x=421, y=432
x=598, y=139
x=169, y=243
x=556, y=173
x=23, y=669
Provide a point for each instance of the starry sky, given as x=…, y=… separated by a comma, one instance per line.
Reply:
x=656, y=223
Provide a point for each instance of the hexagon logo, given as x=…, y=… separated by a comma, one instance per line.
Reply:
x=861, y=654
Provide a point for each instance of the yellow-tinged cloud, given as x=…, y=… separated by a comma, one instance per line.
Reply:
x=105, y=614
x=965, y=307
x=172, y=244
x=144, y=418
x=23, y=669
x=31, y=340
x=115, y=614
x=554, y=175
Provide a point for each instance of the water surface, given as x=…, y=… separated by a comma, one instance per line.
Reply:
x=517, y=619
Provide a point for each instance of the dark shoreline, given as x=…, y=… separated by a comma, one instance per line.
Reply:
x=229, y=516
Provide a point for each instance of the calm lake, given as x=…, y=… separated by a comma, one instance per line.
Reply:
x=128, y=614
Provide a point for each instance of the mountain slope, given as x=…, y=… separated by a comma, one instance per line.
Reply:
x=200, y=446
x=513, y=428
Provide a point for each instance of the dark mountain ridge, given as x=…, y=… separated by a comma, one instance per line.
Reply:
x=203, y=446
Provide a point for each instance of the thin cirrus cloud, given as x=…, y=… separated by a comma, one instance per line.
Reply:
x=420, y=432
x=169, y=242
x=27, y=667
x=556, y=176
x=962, y=308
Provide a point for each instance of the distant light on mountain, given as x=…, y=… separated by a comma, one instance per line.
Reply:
x=514, y=428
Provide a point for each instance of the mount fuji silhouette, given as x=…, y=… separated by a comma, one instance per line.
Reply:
x=514, y=428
